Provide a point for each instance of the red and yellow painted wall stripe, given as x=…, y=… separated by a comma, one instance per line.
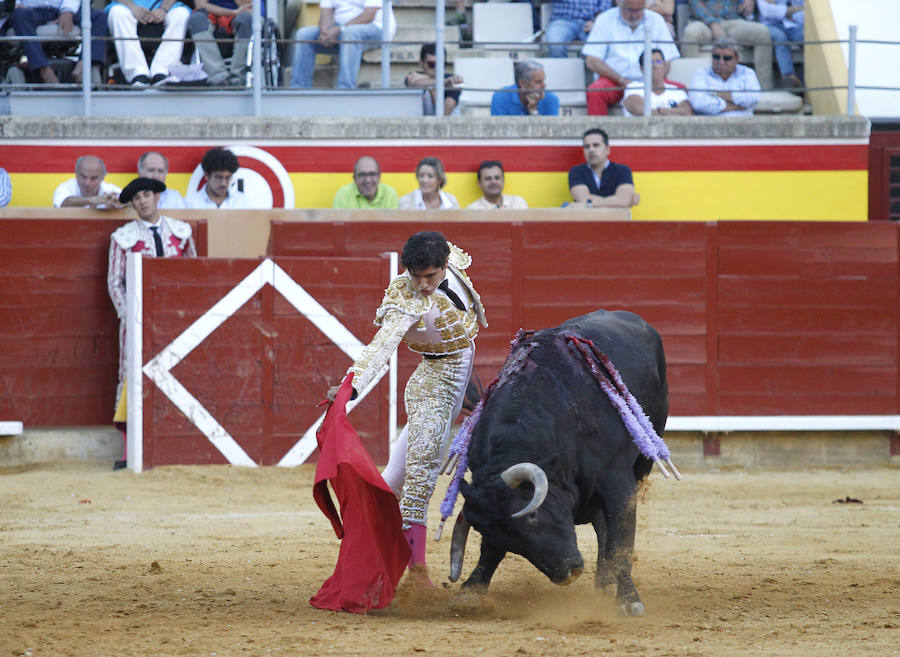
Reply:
x=690, y=179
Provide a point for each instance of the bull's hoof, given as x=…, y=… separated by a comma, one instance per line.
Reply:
x=631, y=608
x=466, y=602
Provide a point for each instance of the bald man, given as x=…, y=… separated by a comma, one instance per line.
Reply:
x=87, y=189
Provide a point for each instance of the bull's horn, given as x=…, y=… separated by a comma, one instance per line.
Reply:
x=516, y=474
x=458, y=546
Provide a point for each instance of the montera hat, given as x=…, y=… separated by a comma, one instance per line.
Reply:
x=139, y=185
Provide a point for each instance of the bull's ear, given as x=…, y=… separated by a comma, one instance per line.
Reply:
x=464, y=488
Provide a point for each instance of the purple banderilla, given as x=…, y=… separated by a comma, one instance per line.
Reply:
x=633, y=417
x=459, y=448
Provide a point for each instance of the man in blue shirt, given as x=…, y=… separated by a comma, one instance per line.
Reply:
x=599, y=182
x=531, y=97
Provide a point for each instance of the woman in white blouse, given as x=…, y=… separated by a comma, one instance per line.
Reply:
x=429, y=195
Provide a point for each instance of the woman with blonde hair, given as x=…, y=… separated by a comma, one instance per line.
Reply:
x=429, y=195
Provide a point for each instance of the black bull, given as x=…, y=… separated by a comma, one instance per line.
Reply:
x=547, y=410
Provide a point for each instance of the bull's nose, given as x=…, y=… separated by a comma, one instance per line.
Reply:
x=574, y=574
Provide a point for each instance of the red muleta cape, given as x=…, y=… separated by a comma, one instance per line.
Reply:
x=373, y=554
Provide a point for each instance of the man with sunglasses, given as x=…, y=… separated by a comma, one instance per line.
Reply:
x=714, y=19
x=426, y=79
x=726, y=88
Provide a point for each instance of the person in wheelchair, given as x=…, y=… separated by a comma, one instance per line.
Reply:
x=168, y=16
x=223, y=19
x=28, y=15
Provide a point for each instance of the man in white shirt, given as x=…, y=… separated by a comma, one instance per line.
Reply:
x=87, y=189
x=666, y=98
x=155, y=166
x=726, y=88
x=491, y=181
x=219, y=165
x=784, y=19
x=613, y=47
x=343, y=30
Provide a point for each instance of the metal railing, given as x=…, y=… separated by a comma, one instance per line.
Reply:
x=258, y=86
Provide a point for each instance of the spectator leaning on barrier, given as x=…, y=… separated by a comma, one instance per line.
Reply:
x=532, y=97
x=219, y=165
x=784, y=19
x=156, y=166
x=430, y=194
x=426, y=79
x=714, y=19
x=344, y=27
x=600, y=182
x=726, y=87
x=87, y=189
x=616, y=64
x=151, y=235
x=571, y=20
x=666, y=99
x=124, y=18
x=27, y=15
x=234, y=18
x=491, y=181
x=366, y=192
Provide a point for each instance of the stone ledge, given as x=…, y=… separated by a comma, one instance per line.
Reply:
x=264, y=128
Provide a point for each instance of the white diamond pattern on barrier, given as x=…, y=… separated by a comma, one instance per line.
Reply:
x=159, y=369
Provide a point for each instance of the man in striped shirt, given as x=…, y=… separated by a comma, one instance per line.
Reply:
x=571, y=20
x=726, y=87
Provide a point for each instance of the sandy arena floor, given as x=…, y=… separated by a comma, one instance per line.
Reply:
x=220, y=561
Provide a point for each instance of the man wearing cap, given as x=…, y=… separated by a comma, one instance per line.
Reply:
x=152, y=235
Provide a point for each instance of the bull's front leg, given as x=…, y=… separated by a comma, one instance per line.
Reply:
x=474, y=588
x=605, y=576
x=488, y=560
x=620, y=522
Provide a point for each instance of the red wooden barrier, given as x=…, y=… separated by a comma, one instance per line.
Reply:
x=58, y=330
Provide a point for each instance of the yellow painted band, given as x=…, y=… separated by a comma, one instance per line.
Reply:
x=665, y=195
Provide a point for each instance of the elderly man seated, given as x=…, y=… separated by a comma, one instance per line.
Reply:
x=726, y=87
x=124, y=18
x=531, y=97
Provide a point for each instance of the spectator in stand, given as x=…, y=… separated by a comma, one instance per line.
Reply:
x=344, y=27
x=366, y=192
x=155, y=166
x=124, y=18
x=599, y=182
x=429, y=195
x=27, y=15
x=616, y=64
x=714, y=19
x=5, y=188
x=571, y=20
x=666, y=9
x=151, y=235
x=234, y=17
x=87, y=189
x=726, y=87
x=426, y=79
x=219, y=165
x=784, y=18
x=491, y=181
x=532, y=97
x=667, y=99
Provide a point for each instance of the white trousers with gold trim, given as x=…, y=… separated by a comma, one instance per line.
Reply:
x=434, y=397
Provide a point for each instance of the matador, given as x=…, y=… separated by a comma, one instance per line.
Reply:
x=434, y=308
